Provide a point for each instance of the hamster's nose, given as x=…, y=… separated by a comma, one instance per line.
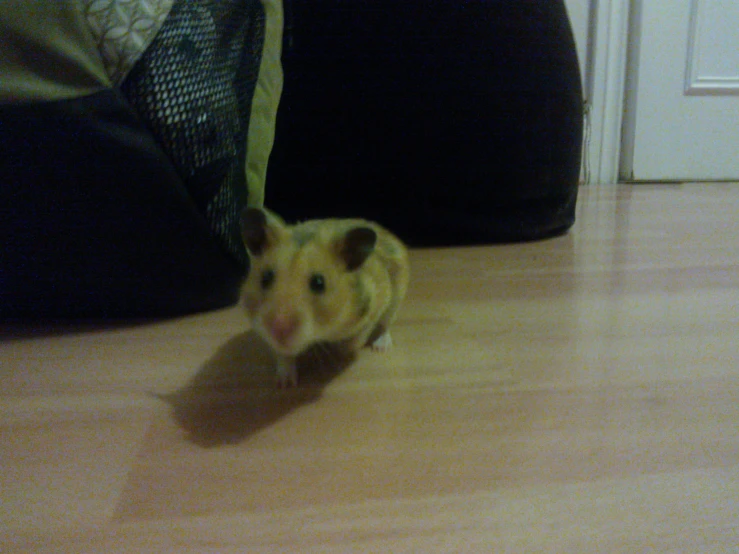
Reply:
x=282, y=327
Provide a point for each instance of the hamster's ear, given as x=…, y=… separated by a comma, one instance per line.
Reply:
x=356, y=246
x=259, y=229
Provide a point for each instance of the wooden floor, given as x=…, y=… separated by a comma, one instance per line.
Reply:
x=574, y=395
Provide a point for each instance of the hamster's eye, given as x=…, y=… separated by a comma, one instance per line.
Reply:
x=268, y=277
x=317, y=283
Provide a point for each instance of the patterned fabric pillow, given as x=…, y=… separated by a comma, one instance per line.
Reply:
x=123, y=30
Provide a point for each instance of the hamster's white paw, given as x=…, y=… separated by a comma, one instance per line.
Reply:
x=287, y=374
x=383, y=343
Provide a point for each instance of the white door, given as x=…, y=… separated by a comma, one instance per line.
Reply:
x=682, y=93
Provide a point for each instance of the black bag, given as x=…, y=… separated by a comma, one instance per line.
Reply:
x=451, y=122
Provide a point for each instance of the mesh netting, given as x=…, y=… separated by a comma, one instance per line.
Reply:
x=193, y=88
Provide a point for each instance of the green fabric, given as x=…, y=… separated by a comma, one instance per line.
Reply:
x=264, y=104
x=47, y=52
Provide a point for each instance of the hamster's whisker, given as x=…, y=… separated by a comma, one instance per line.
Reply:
x=324, y=354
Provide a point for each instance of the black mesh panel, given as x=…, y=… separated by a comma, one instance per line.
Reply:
x=193, y=88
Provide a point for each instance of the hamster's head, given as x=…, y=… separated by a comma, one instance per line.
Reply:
x=303, y=285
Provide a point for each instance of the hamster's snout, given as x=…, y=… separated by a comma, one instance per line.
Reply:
x=282, y=327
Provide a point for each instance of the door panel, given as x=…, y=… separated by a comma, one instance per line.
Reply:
x=683, y=92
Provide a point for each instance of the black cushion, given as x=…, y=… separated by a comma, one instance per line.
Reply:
x=96, y=221
x=451, y=122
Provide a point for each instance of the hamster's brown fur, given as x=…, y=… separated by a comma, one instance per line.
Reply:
x=325, y=280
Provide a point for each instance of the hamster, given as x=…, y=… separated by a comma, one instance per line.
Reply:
x=323, y=280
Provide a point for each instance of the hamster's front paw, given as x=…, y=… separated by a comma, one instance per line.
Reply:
x=383, y=343
x=287, y=374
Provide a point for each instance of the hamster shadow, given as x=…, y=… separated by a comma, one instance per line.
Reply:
x=234, y=394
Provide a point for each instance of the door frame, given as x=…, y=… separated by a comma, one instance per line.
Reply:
x=605, y=85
